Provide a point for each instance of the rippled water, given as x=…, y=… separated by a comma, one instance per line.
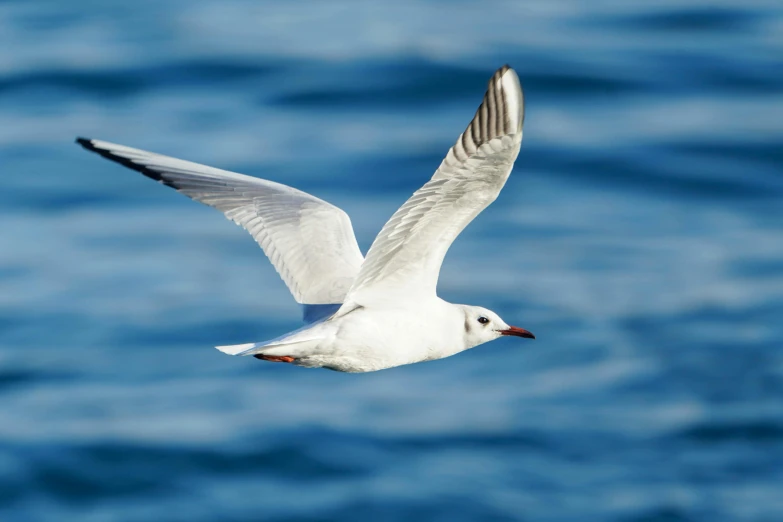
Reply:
x=640, y=237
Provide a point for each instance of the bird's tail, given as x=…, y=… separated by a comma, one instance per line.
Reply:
x=240, y=349
x=297, y=343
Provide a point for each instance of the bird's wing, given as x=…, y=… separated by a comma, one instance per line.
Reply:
x=406, y=257
x=310, y=242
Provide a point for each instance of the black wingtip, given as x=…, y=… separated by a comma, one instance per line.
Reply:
x=126, y=162
x=86, y=143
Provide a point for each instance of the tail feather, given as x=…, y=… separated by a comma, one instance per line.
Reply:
x=297, y=343
x=239, y=349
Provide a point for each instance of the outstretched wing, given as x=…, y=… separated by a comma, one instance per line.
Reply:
x=310, y=242
x=406, y=257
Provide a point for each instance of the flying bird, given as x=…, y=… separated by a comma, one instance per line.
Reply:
x=368, y=313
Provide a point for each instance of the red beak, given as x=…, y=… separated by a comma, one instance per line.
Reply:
x=517, y=332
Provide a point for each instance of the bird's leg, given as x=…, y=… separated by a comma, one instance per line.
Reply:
x=274, y=358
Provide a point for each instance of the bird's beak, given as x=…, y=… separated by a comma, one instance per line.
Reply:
x=517, y=332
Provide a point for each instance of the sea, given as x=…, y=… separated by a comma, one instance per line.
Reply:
x=640, y=237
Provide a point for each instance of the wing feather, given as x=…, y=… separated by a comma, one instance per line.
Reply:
x=406, y=257
x=309, y=241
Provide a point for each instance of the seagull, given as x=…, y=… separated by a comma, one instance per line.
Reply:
x=364, y=314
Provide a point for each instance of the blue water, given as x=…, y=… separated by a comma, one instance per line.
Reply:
x=640, y=237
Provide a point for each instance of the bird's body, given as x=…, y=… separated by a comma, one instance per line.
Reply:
x=372, y=338
x=379, y=312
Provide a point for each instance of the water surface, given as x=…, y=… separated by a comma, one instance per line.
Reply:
x=640, y=237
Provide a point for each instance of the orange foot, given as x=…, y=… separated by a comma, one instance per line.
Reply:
x=275, y=358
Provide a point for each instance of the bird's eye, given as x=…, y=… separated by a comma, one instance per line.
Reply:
x=483, y=320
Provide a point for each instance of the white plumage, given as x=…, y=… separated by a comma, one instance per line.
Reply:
x=382, y=311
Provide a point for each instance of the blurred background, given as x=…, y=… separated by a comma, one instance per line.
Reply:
x=640, y=237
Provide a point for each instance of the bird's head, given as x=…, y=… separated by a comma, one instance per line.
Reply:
x=482, y=325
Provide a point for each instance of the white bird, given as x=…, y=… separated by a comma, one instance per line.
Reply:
x=365, y=314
